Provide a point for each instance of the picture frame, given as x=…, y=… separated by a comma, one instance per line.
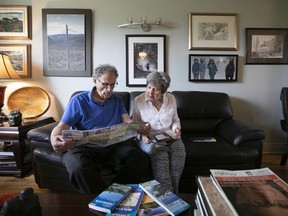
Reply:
x=20, y=57
x=213, y=68
x=67, y=42
x=144, y=54
x=213, y=31
x=266, y=45
x=15, y=22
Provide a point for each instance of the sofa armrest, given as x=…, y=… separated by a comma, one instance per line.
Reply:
x=237, y=132
x=42, y=133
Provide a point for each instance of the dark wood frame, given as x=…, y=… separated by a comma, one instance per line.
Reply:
x=84, y=68
x=156, y=60
x=17, y=52
x=221, y=62
x=26, y=23
x=261, y=44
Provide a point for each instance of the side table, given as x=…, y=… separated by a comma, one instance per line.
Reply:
x=17, y=136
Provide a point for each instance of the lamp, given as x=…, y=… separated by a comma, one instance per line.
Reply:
x=145, y=26
x=6, y=72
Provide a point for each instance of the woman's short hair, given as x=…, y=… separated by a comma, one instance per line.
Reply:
x=156, y=78
x=103, y=68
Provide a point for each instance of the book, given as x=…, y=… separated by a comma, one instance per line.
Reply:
x=213, y=201
x=109, y=199
x=149, y=207
x=130, y=205
x=203, y=139
x=163, y=136
x=253, y=192
x=172, y=203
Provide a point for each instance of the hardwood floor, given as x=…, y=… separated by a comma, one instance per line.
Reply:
x=15, y=185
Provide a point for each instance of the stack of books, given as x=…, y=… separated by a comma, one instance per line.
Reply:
x=242, y=192
x=147, y=198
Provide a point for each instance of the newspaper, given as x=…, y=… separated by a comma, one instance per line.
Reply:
x=104, y=136
x=253, y=192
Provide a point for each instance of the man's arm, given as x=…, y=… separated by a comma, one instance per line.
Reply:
x=58, y=144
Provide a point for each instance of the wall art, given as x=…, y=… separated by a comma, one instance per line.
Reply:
x=20, y=58
x=266, y=46
x=15, y=22
x=213, y=31
x=67, y=46
x=144, y=54
x=211, y=68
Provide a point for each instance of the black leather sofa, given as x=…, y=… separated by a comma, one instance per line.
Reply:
x=238, y=145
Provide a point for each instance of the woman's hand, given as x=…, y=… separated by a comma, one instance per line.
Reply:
x=177, y=132
x=146, y=129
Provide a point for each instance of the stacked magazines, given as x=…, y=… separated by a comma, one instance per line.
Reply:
x=243, y=192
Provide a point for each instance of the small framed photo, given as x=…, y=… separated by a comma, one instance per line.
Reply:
x=213, y=68
x=15, y=22
x=266, y=45
x=213, y=31
x=67, y=46
x=20, y=57
x=144, y=54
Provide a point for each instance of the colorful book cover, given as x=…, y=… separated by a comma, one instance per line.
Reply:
x=108, y=200
x=130, y=205
x=172, y=203
x=149, y=207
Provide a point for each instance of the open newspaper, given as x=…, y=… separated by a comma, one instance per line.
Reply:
x=104, y=136
x=253, y=192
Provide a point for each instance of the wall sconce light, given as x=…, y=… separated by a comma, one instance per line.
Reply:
x=6, y=72
x=144, y=24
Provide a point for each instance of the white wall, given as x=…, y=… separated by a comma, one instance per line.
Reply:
x=255, y=96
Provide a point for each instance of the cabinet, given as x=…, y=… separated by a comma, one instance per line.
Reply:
x=20, y=146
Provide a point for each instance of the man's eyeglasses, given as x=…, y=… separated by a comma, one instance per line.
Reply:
x=105, y=85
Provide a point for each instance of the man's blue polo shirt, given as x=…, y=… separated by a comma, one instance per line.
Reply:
x=84, y=113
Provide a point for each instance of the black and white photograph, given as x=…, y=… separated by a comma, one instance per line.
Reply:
x=213, y=68
x=67, y=42
x=266, y=46
x=144, y=54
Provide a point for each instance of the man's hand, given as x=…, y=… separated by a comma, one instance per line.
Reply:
x=60, y=145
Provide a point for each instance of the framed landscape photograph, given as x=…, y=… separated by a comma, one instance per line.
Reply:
x=213, y=31
x=15, y=22
x=266, y=45
x=211, y=68
x=20, y=57
x=144, y=54
x=67, y=46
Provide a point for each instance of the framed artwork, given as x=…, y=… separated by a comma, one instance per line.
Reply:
x=15, y=22
x=20, y=57
x=144, y=54
x=67, y=42
x=213, y=31
x=211, y=68
x=266, y=45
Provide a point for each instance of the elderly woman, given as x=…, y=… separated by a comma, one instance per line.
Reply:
x=158, y=107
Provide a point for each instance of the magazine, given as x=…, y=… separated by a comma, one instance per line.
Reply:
x=253, y=192
x=149, y=207
x=104, y=136
x=172, y=203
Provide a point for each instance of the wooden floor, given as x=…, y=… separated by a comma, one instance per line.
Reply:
x=15, y=185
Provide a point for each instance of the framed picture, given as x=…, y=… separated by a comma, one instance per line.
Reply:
x=20, y=57
x=144, y=54
x=213, y=31
x=67, y=42
x=213, y=68
x=266, y=45
x=15, y=22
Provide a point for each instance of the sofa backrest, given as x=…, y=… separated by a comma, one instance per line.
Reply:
x=202, y=111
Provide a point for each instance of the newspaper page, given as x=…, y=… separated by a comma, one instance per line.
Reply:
x=104, y=136
x=253, y=192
